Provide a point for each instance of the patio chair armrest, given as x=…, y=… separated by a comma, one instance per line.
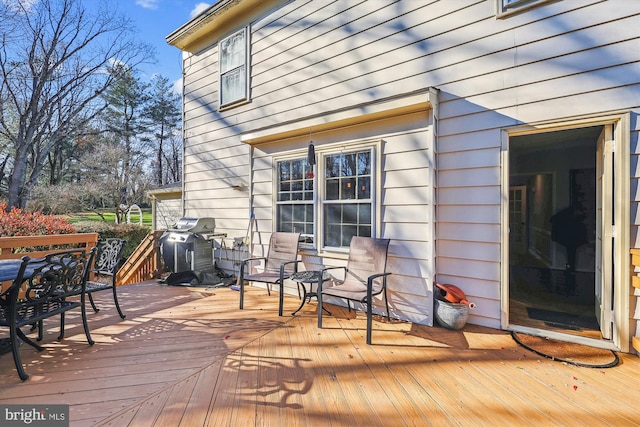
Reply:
x=370, y=280
x=333, y=268
x=295, y=267
x=246, y=260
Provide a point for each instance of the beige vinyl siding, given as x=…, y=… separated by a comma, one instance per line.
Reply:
x=168, y=212
x=310, y=58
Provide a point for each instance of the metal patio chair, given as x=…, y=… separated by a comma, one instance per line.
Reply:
x=103, y=274
x=364, y=277
x=281, y=261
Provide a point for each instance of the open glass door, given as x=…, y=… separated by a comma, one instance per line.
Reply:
x=605, y=232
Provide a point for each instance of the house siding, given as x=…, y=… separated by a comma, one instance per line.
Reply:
x=310, y=58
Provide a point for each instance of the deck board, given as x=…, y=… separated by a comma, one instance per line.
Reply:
x=189, y=356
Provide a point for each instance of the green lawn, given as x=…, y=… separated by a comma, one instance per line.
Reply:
x=109, y=217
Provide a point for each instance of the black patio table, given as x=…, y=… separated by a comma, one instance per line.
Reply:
x=9, y=269
x=309, y=277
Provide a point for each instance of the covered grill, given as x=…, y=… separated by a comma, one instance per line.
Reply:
x=187, y=246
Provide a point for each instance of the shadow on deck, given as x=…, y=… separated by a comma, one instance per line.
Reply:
x=190, y=357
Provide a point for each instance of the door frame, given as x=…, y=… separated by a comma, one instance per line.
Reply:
x=621, y=201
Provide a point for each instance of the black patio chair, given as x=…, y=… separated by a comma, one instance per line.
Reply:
x=41, y=289
x=365, y=276
x=281, y=261
x=103, y=274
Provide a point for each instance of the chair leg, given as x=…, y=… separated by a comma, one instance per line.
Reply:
x=319, y=296
x=40, y=330
x=85, y=324
x=386, y=301
x=93, y=305
x=115, y=299
x=280, y=297
x=369, y=321
x=15, y=349
x=61, y=336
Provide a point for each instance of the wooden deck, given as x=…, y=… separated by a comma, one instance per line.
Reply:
x=189, y=357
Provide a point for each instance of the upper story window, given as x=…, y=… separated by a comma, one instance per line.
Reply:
x=336, y=205
x=234, y=68
x=506, y=7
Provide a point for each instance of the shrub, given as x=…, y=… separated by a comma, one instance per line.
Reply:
x=18, y=222
x=132, y=233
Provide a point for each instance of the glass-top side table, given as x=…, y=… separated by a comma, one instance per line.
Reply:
x=311, y=278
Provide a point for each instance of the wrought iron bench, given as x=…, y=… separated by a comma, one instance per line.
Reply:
x=41, y=289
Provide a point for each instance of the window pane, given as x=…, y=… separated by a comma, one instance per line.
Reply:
x=232, y=52
x=348, y=188
x=348, y=165
x=299, y=213
x=284, y=171
x=364, y=188
x=333, y=214
x=332, y=188
x=332, y=166
x=348, y=231
x=364, y=231
x=364, y=213
x=350, y=214
x=332, y=236
x=296, y=170
x=286, y=227
x=233, y=85
x=285, y=186
x=364, y=163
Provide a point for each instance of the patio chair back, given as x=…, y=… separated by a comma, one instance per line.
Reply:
x=367, y=256
x=283, y=248
x=105, y=269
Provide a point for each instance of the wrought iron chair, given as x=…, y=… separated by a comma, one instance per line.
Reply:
x=103, y=274
x=41, y=290
x=281, y=261
x=365, y=276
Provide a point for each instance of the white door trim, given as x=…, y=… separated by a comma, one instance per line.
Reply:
x=621, y=200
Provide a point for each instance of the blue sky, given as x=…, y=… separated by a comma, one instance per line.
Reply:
x=156, y=19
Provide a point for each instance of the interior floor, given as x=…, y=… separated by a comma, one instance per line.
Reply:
x=551, y=299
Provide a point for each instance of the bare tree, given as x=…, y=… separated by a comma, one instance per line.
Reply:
x=56, y=61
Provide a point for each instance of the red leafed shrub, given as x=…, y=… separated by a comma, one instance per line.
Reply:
x=17, y=222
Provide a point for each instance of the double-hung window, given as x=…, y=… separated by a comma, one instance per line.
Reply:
x=335, y=205
x=234, y=68
x=294, y=205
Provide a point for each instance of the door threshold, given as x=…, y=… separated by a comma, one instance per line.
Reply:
x=559, y=336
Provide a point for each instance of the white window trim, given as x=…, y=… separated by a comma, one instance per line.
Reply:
x=246, y=98
x=318, y=205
